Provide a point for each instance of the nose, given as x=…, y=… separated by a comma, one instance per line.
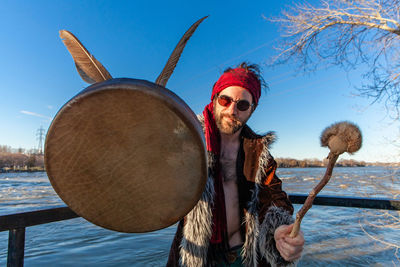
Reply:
x=232, y=109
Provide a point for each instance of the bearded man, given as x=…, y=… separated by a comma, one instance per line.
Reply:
x=243, y=217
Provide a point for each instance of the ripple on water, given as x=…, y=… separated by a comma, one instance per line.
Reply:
x=287, y=177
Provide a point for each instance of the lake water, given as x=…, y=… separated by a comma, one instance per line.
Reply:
x=334, y=236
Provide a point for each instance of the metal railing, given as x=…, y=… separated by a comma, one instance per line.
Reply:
x=16, y=223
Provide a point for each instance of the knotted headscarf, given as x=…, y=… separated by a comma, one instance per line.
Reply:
x=234, y=77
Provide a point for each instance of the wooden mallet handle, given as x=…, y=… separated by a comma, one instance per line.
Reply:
x=339, y=137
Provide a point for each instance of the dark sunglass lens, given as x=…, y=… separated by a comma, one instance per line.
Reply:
x=243, y=105
x=224, y=101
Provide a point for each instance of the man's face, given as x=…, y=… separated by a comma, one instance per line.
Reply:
x=230, y=119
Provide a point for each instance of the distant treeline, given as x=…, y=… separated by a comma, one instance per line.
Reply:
x=306, y=163
x=20, y=160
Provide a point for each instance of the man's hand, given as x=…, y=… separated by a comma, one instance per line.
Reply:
x=289, y=248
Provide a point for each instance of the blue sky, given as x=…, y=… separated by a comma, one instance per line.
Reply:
x=135, y=38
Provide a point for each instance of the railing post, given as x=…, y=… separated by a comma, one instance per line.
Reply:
x=16, y=247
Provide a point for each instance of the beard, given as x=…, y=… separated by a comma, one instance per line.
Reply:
x=227, y=126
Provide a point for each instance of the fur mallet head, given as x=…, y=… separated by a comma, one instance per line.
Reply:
x=342, y=137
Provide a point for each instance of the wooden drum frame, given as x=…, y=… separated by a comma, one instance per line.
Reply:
x=127, y=155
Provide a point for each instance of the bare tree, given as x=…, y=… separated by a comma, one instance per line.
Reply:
x=347, y=33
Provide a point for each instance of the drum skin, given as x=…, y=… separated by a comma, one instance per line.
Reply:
x=127, y=155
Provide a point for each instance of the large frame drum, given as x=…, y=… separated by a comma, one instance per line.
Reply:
x=127, y=155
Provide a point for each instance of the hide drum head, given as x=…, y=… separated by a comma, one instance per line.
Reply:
x=127, y=155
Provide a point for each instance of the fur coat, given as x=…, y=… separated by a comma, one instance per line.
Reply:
x=265, y=207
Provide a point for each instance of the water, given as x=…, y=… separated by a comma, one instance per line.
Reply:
x=334, y=236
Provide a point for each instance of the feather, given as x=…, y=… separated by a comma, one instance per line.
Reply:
x=89, y=68
x=174, y=58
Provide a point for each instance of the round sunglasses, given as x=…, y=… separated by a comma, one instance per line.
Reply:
x=226, y=101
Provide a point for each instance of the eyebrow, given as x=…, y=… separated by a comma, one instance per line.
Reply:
x=251, y=100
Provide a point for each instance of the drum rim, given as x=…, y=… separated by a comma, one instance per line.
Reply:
x=174, y=102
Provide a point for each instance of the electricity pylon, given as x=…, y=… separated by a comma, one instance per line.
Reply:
x=40, y=137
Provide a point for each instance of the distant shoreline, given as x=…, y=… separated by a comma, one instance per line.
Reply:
x=20, y=162
x=2, y=170
x=315, y=163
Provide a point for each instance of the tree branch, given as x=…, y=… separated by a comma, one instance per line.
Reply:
x=347, y=33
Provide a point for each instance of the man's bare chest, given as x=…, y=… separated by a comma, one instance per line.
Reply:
x=228, y=168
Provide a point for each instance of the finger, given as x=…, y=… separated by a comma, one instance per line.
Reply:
x=287, y=228
x=282, y=251
x=288, y=254
x=294, y=246
x=294, y=256
x=291, y=251
x=282, y=228
x=287, y=248
x=290, y=228
x=280, y=232
x=295, y=241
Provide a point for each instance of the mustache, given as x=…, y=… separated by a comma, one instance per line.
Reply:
x=232, y=117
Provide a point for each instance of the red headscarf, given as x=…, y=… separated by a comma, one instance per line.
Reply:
x=239, y=77
x=234, y=77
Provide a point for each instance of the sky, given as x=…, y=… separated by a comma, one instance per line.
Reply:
x=133, y=39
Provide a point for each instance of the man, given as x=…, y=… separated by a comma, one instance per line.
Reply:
x=243, y=216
